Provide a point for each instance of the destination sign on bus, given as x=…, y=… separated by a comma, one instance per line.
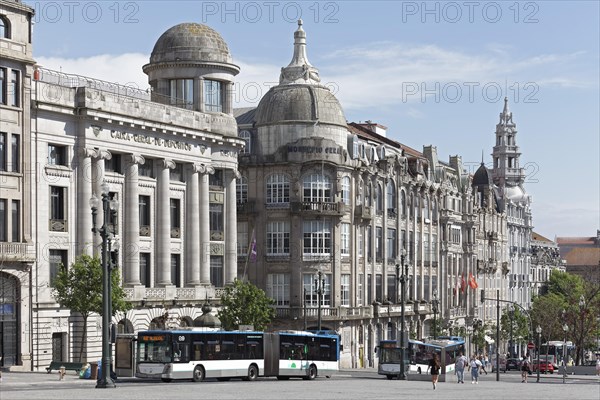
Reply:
x=153, y=338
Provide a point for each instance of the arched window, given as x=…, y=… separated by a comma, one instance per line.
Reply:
x=435, y=210
x=125, y=326
x=316, y=188
x=368, y=195
x=247, y=137
x=157, y=324
x=4, y=27
x=345, y=190
x=241, y=187
x=426, y=207
x=417, y=206
x=391, y=197
x=278, y=189
x=379, y=199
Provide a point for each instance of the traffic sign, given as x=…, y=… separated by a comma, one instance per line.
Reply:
x=530, y=345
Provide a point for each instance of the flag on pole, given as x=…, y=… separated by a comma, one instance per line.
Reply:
x=472, y=281
x=253, y=253
x=462, y=283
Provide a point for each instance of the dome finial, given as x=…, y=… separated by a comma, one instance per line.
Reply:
x=299, y=70
x=505, y=115
x=482, y=157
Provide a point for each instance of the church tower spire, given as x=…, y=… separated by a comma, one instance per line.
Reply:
x=506, y=171
x=300, y=69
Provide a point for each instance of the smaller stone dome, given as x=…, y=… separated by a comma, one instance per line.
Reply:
x=190, y=42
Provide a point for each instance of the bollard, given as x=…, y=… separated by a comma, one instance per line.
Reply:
x=61, y=373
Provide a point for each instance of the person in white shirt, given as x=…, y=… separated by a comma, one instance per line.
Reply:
x=474, y=366
x=459, y=367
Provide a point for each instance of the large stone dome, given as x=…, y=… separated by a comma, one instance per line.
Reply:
x=299, y=104
x=190, y=42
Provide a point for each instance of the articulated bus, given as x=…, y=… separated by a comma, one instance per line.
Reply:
x=199, y=354
x=554, y=350
x=419, y=353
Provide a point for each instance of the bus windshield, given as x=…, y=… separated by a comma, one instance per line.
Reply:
x=154, y=348
x=389, y=355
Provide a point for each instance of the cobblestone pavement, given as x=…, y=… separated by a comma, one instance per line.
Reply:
x=347, y=384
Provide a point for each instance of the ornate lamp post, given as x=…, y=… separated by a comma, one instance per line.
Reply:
x=402, y=267
x=538, y=330
x=582, y=332
x=320, y=287
x=564, y=361
x=435, y=302
x=109, y=208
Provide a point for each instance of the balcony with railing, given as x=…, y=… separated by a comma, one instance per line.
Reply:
x=327, y=313
x=364, y=212
x=246, y=208
x=58, y=225
x=13, y=251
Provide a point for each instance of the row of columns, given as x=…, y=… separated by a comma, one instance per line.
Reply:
x=90, y=175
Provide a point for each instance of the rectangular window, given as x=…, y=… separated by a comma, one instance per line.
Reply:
x=391, y=245
x=147, y=168
x=57, y=259
x=392, y=292
x=15, y=152
x=16, y=221
x=379, y=244
x=278, y=238
x=216, y=271
x=278, y=189
x=426, y=250
x=243, y=239
x=317, y=238
x=455, y=234
x=176, y=270
x=2, y=85
x=57, y=155
x=434, y=256
x=175, y=218
x=14, y=89
x=361, y=242
x=345, y=239
x=144, y=204
x=216, y=179
x=182, y=93
x=360, y=294
x=369, y=243
x=3, y=151
x=345, y=290
x=114, y=164
x=369, y=289
x=145, y=276
x=278, y=288
x=213, y=96
x=58, y=202
x=113, y=222
x=311, y=285
x=3, y=221
x=379, y=288
x=216, y=221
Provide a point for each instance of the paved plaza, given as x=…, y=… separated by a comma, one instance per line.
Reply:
x=348, y=384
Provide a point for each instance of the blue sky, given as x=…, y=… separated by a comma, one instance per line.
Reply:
x=432, y=72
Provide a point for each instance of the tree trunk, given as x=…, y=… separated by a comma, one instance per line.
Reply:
x=83, y=335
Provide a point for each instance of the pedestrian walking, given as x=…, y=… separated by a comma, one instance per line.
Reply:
x=598, y=365
x=482, y=363
x=525, y=369
x=474, y=366
x=459, y=367
x=434, y=365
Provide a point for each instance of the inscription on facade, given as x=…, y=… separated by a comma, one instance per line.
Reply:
x=150, y=140
x=314, y=149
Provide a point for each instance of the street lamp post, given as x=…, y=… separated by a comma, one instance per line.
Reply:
x=402, y=267
x=564, y=361
x=434, y=307
x=511, y=314
x=109, y=208
x=320, y=285
x=538, y=330
x=579, y=345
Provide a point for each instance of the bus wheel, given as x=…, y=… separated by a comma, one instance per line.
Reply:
x=198, y=374
x=252, y=373
x=311, y=373
x=390, y=377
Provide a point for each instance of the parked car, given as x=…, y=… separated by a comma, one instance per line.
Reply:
x=502, y=364
x=513, y=363
x=543, y=365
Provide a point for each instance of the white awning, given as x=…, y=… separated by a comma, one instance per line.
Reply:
x=488, y=339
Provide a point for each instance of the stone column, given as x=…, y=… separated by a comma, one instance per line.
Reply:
x=205, y=224
x=231, y=226
x=85, y=237
x=131, y=248
x=163, y=225
x=192, y=228
x=97, y=180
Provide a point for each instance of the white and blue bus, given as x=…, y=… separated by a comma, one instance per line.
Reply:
x=418, y=355
x=198, y=354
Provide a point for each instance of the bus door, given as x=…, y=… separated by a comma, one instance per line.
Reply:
x=271, y=351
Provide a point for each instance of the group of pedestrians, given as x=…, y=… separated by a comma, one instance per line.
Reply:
x=475, y=365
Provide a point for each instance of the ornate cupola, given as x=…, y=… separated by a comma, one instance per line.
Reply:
x=506, y=171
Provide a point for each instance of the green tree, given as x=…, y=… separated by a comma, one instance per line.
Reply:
x=518, y=325
x=245, y=304
x=79, y=288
